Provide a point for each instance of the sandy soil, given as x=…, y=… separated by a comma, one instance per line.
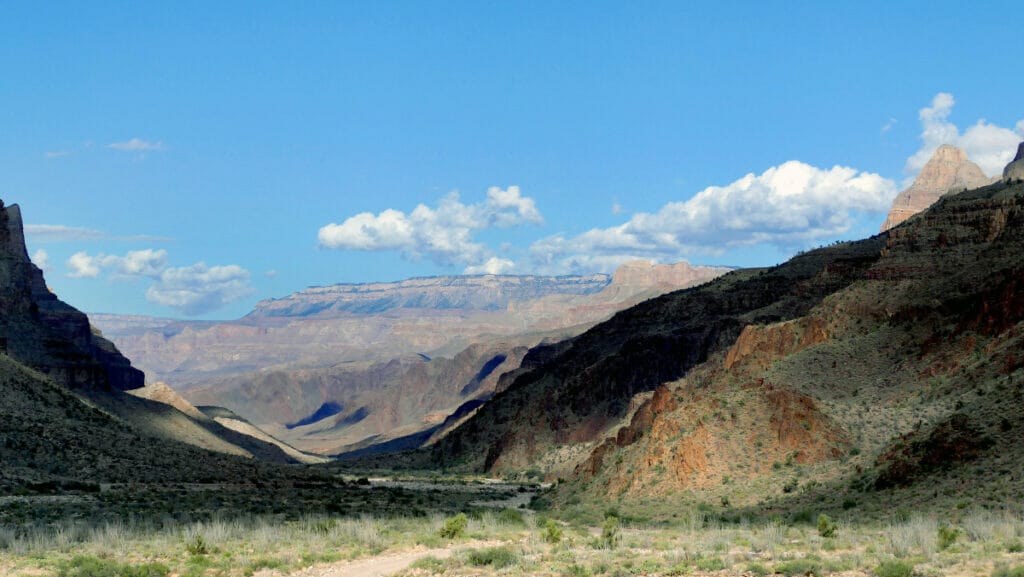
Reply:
x=381, y=565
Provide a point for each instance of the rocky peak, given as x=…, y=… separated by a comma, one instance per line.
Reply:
x=1015, y=170
x=948, y=169
x=40, y=331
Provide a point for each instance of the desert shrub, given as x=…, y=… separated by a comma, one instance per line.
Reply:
x=551, y=533
x=87, y=566
x=496, y=557
x=454, y=527
x=711, y=564
x=802, y=566
x=894, y=568
x=610, y=532
x=801, y=517
x=511, y=517
x=947, y=536
x=1006, y=571
x=826, y=526
x=264, y=563
x=197, y=546
x=758, y=570
x=431, y=564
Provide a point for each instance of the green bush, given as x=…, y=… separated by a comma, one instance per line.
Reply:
x=551, y=533
x=610, y=532
x=826, y=526
x=454, y=527
x=87, y=566
x=895, y=568
x=575, y=570
x=803, y=566
x=430, y=563
x=197, y=546
x=711, y=564
x=496, y=557
x=758, y=570
x=947, y=536
x=1006, y=571
x=511, y=517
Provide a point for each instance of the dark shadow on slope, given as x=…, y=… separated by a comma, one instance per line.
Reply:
x=328, y=409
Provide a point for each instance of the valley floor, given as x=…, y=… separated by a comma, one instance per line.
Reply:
x=517, y=541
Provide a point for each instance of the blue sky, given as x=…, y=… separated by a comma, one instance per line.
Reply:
x=190, y=158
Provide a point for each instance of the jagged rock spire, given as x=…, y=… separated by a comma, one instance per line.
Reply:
x=1015, y=170
x=948, y=169
x=39, y=330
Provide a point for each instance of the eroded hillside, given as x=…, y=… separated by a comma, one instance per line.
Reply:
x=889, y=364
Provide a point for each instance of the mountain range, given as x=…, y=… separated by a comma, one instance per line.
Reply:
x=888, y=369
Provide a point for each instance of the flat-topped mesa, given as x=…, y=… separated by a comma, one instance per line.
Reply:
x=648, y=275
x=1015, y=170
x=947, y=170
x=39, y=330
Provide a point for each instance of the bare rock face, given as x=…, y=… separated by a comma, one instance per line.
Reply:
x=42, y=332
x=647, y=275
x=947, y=170
x=1015, y=170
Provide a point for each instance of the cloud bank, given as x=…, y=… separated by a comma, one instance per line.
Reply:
x=192, y=290
x=989, y=146
x=790, y=205
x=443, y=233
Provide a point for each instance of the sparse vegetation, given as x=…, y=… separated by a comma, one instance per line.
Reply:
x=454, y=527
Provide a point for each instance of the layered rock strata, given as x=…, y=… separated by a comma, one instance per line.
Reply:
x=949, y=169
x=42, y=332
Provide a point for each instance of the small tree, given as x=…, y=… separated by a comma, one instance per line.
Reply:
x=610, y=532
x=826, y=526
x=454, y=527
x=551, y=533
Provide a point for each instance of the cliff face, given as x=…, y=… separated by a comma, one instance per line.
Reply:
x=947, y=170
x=1015, y=170
x=41, y=331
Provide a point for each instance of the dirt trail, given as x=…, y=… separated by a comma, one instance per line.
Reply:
x=383, y=565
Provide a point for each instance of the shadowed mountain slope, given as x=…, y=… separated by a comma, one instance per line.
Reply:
x=573, y=390
x=904, y=386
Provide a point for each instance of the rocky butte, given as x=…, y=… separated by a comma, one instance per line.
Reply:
x=39, y=330
x=947, y=170
x=1015, y=170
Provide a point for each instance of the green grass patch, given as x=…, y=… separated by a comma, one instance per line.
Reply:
x=430, y=563
x=894, y=568
x=88, y=566
x=496, y=557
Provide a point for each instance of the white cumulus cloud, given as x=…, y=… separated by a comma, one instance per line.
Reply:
x=198, y=288
x=494, y=265
x=989, y=146
x=191, y=289
x=790, y=205
x=443, y=233
x=135, y=263
x=41, y=259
